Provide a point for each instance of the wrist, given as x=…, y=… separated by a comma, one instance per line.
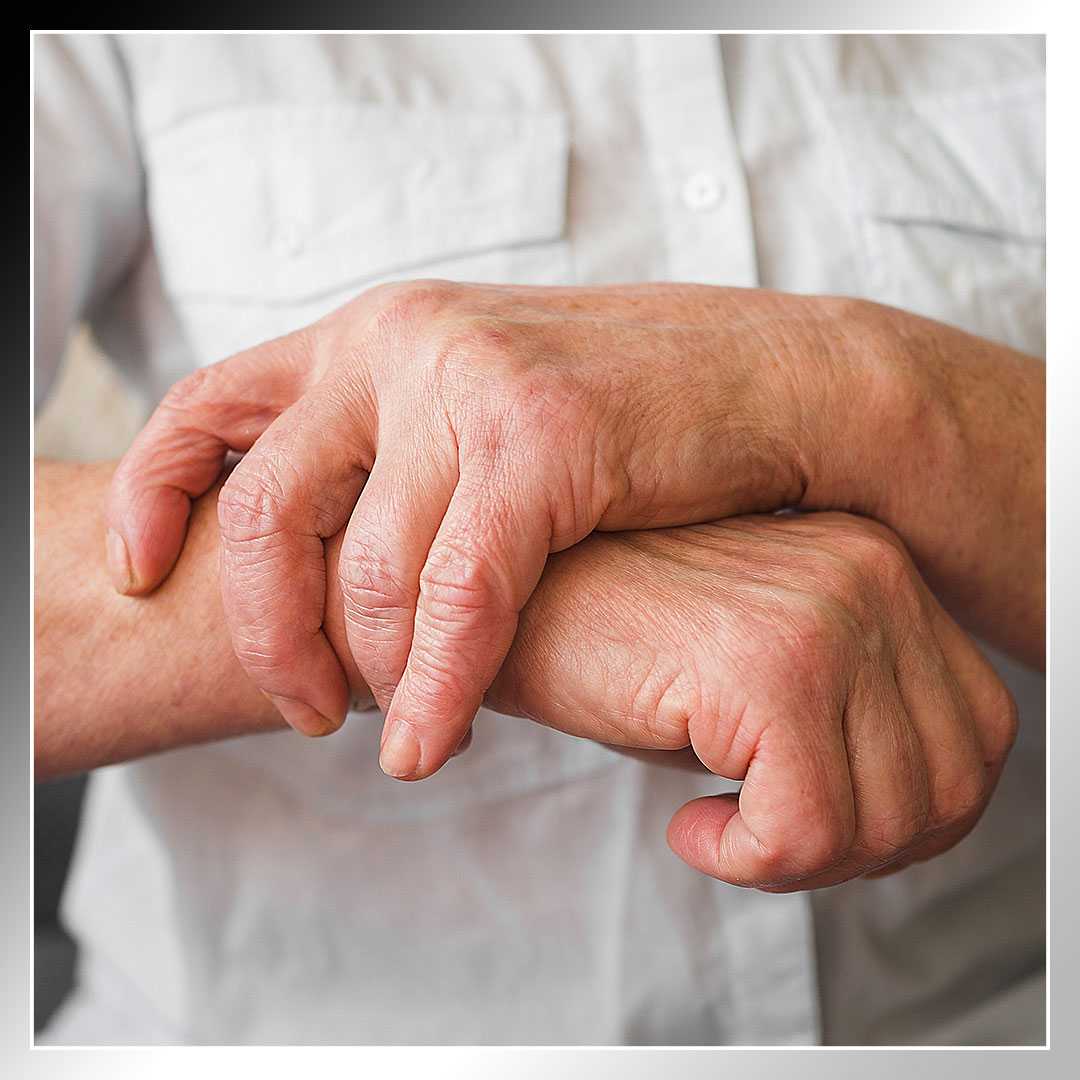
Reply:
x=876, y=411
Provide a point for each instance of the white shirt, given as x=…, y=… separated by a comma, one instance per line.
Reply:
x=198, y=194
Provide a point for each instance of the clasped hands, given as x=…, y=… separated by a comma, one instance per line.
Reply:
x=561, y=501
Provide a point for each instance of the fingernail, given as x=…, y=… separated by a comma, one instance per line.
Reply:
x=400, y=753
x=119, y=562
x=303, y=718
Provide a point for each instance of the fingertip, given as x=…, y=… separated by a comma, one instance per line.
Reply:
x=428, y=719
x=696, y=830
x=144, y=538
x=400, y=752
x=137, y=573
x=118, y=562
x=304, y=719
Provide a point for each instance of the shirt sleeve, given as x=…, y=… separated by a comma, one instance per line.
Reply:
x=89, y=206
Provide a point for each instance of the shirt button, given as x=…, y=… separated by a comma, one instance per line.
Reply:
x=702, y=191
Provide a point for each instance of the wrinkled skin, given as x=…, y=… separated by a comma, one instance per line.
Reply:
x=802, y=655
x=462, y=434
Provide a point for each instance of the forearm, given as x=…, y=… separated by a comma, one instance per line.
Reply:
x=941, y=436
x=116, y=677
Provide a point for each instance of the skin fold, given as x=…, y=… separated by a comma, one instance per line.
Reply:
x=801, y=654
x=460, y=435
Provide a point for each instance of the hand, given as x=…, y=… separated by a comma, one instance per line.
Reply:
x=486, y=428
x=801, y=655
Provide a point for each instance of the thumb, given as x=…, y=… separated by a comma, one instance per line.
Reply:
x=181, y=451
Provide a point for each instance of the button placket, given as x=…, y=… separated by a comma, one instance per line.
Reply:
x=695, y=159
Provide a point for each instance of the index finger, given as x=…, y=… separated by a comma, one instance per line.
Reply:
x=295, y=489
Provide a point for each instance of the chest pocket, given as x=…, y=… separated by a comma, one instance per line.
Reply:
x=950, y=194
x=290, y=205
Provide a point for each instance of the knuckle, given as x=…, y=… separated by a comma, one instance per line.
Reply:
x=884, y=565
x=873, y=562
x=506, y=395
x=963, y=799
x=482, y=340
x=817, y=843
x=663, y=705
x=720, y=739
x=400, y=304
x=816, y=637
x=126, y=481
x=475, y=353
x=505, y=360
x=843, y=620
x=366, y=571
x=456, y=586
x=774, y=862
x=890, y=834
x=269, y=495
x=823, y=842
x=847, y=583
x=371, y=584
x=252, y=506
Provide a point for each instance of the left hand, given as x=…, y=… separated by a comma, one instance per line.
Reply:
x=486, y=426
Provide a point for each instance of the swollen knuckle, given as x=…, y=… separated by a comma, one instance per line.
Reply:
x=368, y=572
x=484, y=340
x=252, y=506
x=505, y=392
x=408, y=303
x=474, y=361
x=371, y=594
x=455, y=587
x=826, y=831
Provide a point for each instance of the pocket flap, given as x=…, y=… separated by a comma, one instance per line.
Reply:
x=283, y=203
x=972, y=161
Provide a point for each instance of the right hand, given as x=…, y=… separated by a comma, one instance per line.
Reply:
x=801, y=655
